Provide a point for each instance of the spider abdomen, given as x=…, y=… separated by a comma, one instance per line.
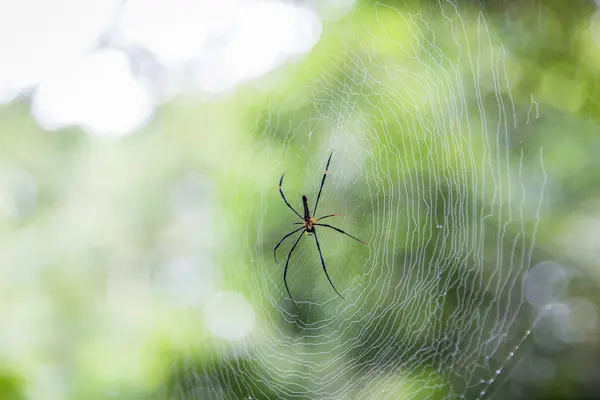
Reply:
x=309, y=224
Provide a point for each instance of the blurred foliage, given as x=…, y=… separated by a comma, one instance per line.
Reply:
x=80, y=315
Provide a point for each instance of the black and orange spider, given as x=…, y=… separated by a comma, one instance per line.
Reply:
x=308, y=226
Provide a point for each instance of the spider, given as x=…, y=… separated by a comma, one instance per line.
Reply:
x=309, y=222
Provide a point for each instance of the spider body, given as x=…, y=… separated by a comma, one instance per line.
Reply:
x=309, y=224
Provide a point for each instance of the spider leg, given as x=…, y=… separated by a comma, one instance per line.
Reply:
x=322, y=183
x=284, y=199
x=330, y=215
x=323, y=264
x=286, y=266
x=341, y=231
x=282, y=239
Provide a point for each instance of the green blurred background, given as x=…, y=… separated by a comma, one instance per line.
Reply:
x=138, y=264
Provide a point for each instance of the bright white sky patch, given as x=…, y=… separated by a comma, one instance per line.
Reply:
x=267, y=34
x=7, y=94
x=229, y=42
x=175, y=30
x=39, y=38
x=99, y=93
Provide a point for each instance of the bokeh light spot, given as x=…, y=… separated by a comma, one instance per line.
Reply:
x=230, y=316
x=18, y=194
x=544, y=283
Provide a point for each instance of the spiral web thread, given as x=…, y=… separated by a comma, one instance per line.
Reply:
x=434, y=307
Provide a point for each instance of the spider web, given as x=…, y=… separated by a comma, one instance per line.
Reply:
x=429, y=166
